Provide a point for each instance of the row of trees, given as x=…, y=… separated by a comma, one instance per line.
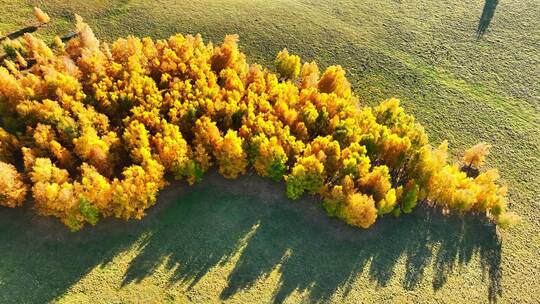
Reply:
x=178, y=106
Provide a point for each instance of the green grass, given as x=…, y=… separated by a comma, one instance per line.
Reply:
x=216, y=243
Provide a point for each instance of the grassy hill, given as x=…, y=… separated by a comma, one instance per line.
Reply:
x=469, y=71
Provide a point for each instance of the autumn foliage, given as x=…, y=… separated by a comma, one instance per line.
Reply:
x=96, y=130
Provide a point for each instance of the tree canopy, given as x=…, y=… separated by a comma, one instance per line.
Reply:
x=94, y=130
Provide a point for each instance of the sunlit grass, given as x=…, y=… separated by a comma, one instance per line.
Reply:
x=209, y=247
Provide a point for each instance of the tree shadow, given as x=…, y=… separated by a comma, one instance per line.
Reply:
x=311, y=252
x=41, y=259
x=20, y=33
x=249, y=224
x=487, y=14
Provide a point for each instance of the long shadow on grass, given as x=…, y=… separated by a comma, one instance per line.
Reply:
x=487, y=14
x=251, y=218
x=248, y=223
x=41, y=259
x=20, y=33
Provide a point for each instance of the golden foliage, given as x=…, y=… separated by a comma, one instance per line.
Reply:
x=359, y=210
x=288, y=66
x=8, y=145
x=309, y=75
x=476, y=155
x=12, y=188
x=230, y=155
x=333, y=80
x=98, y=126
x=41, y=16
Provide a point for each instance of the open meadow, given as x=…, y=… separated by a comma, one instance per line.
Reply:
x=469, y=71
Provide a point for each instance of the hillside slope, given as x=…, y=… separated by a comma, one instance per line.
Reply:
x=468, y=70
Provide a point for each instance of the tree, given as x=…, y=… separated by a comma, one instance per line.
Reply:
x=377, y=183
x=228, y=56
x=8, y=145
x=136, y=192
x=192, y=170
x=270, y=159
x=231, y=158
x=55, y=195
x=12, y=189
x=359, y=210
x=475, y=156
x=307, y=175
x=393, y=150
x=41, y=16
x=354, y=161
x=43, y=170
x=46, y=139
x=327, y=151
x=171, y=147
x=207, y=134
x=11, y=91
x=424, y=166
x=90, y=147
x=20, y=60
x=137, y=139
x=85, y=35
x=336, y=197
x=334, y=81
x=409, y=197
x=309, y=75
x=94, y=189
x=288, y=66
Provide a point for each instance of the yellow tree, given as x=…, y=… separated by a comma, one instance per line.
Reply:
x=306, y=175
x=207, y=134
x=94, y=189
x=178, y=105
x=335, y=196
x=333, y=80
x=136, y=192
x=137, y=140
x=171, y=147
x=288, y=66
x=354, y=161
x=45, y=139
x=54, y=194
x=475, y=156
x=408, y=196
x=41, y=16
x=8, y=145
x=270, y=159
x=12, y=189
x=309, y=75
x=359, y=210
x=227, y=55
x=377, y=183
x=230, y=155
x=90, y=147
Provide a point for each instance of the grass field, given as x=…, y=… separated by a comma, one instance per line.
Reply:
x=469, y=71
